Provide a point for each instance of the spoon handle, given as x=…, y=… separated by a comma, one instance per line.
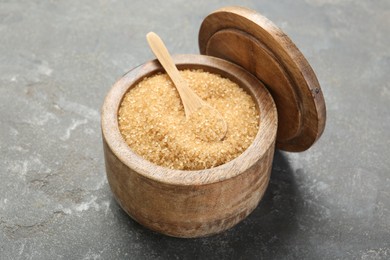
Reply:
x=190, y=100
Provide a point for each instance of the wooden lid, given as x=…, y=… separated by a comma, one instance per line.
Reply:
x=250, y=40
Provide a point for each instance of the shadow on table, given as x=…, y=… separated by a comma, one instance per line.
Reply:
x=265, y=232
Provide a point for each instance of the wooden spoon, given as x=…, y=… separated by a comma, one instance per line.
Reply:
x=191, y=101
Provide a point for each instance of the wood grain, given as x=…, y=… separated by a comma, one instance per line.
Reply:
x=250, y=40
x=189, y=203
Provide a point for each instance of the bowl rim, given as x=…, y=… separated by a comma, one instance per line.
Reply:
x=264, y=139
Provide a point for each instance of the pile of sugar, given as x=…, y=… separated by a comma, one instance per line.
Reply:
x=152, y=121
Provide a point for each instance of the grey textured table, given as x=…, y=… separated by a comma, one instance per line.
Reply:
x=59, y=58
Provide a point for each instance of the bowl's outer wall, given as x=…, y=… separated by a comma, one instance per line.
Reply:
x=187, y=211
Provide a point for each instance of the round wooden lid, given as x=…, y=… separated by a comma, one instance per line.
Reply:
x=250, y=40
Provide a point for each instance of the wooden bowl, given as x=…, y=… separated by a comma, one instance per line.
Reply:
x=189, y=203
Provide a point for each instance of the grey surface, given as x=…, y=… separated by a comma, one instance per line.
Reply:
x=59, y=58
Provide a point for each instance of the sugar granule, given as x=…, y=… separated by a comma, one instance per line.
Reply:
x=152, y=121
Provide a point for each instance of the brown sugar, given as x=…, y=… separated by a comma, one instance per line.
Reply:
x=153, y=124
x=207, y=124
